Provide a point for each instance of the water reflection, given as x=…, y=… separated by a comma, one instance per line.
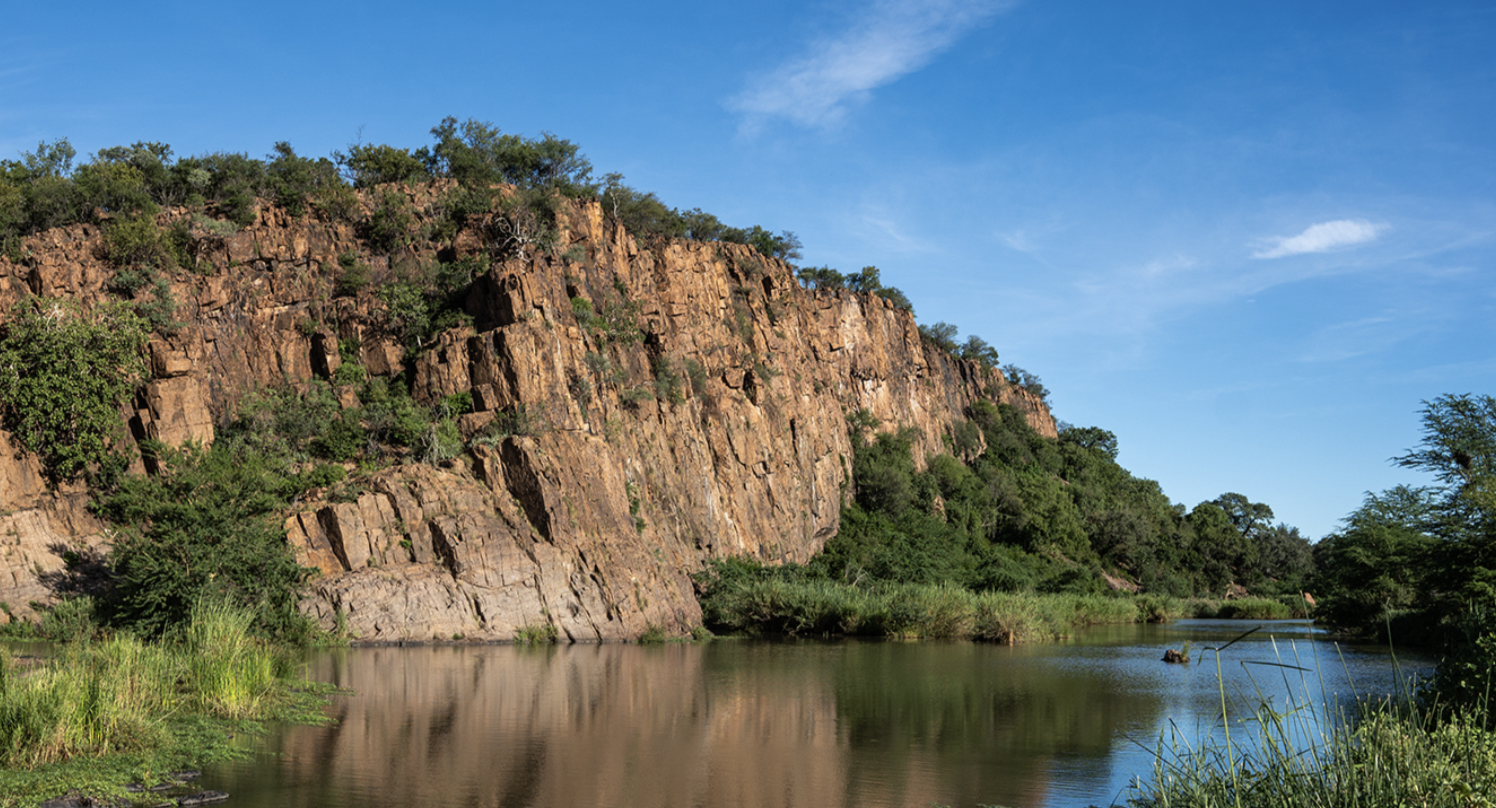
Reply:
x=735, y=724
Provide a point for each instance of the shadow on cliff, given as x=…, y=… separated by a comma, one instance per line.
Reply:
x=85, y=571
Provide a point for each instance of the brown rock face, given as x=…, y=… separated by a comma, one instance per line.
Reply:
x=673, y=403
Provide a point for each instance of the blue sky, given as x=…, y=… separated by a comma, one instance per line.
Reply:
x=1249, y=239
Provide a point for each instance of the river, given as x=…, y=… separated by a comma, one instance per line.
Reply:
x=749, y=724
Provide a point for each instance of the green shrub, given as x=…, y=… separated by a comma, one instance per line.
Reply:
x=1465, y=679
x=667, y=381
x=294, y=180
x=207, y=527
x=68, y=620
x=115, y=188
x=392, y=416
x=353, y=275
x=343, y=440
x=442, y=442
x=517, y=420
x=392, y=223
x=64, y=373
x=1253, y=609
x=369, y=165
x=137, y=241
x=350, y=373
x=536, y=634
x=159, y=313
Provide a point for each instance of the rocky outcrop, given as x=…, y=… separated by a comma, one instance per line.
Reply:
x=671, y=403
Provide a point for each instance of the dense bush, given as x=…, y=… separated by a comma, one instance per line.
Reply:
x=64, y=373
x=207, y=526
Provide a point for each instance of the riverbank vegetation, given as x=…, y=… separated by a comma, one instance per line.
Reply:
x=1417, y=564
x=1008, y=527
x=109, y=709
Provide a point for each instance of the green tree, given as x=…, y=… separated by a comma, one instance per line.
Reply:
x=1376, y=564
x=1090, y=437
x=366, y=166
x=1249, y=518
x=64, y=373
x=941, y=335
x=1459, y=449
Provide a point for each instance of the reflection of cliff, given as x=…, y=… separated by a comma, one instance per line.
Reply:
x=582, y=726
x=715, y=427
x=728, y=725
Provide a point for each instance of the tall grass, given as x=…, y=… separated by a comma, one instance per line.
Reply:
x=123, y=695
x=817, y=607
x=1312, y=754
x=90, y=700
x=230, y=672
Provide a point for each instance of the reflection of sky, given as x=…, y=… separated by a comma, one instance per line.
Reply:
x=1289, y=666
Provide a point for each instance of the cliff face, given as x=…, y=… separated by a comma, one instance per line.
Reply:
x=715, y=427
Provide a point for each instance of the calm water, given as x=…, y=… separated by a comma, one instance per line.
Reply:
x=747, y=724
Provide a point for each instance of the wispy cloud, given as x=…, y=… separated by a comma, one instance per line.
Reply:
x=889, y=40
x=1321, y=237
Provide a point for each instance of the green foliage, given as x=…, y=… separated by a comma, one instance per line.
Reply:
x=1316, y=755
x=159, y=312
x=1027, y=381
x=940, y=335
x=1090, y=437
x=64, y=373
x=1377, y=562
x=524, y=224
x=392, y=416
x=476, y=154
x=208, y=526
x=113, y=188
x=137, y=241
x=366, y=166
x=1465, y=680
x=1429, y=549
x=426, y=299
x=821, y=278
x=536, y=634
x=667, y=380
x=977, y=350
x=295, y=181
x=645, y=216
x=392, y=223
x=743, y=597
x=353, y=275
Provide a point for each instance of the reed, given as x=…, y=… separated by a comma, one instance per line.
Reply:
x=819, y=607
x=1312, y=754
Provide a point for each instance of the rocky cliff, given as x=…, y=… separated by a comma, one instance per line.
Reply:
x=680, y=401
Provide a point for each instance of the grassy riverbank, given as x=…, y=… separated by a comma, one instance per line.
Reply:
x=818, y=607
x=743, y=598
x=102, y=713
x=1392, y=756
x=1417, y=748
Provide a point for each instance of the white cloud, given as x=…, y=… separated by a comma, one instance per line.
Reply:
x=1322, y=237
x=892, y=39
